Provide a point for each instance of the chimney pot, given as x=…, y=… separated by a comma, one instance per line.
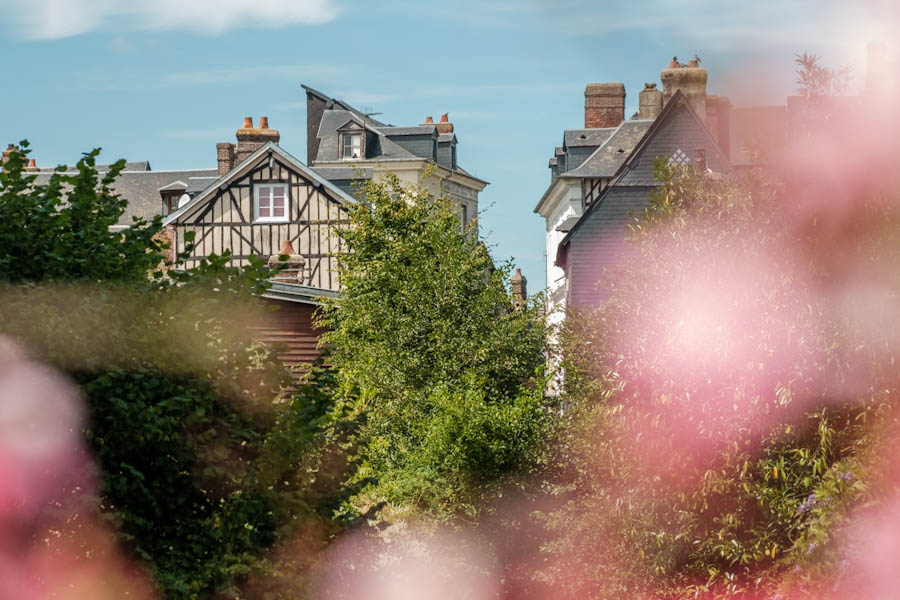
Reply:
x=32, y=165
x=249, y=139
x=692, y=83
x=445, y=126
x=650, y=102
x=292, y=268
x=428, y=121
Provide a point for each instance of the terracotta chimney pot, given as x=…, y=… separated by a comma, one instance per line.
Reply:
x=248, y=123
x=445, y=118
x=286, y=248
x=32, y=165
x=264, y=122
x=428, y=121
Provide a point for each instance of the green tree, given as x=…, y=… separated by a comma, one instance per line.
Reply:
x=443, y=374
x=59, y=231
x=182, y=405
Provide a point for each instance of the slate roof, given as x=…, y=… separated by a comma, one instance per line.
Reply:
x=414, y=130
x=143, y=165
x=607, y=159
x=341, y=173
x=141, y=187
x=568, y=224
x=336, y=114
x=617, y=187
x=332, y=120
x=175, y=186
x=573, y=138
x=198, y=184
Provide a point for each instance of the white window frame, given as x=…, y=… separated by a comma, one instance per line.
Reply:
x=287, y=203
x=351, y=135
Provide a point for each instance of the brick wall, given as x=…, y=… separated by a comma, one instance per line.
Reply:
x=604, y=105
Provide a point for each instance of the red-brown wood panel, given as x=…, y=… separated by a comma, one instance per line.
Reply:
x=292, y=326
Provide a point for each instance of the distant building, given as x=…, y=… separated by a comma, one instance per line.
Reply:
x=345, y=145
x=604, y=172
x=149, y=193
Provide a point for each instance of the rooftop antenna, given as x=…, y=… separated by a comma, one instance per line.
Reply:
x=367, y=112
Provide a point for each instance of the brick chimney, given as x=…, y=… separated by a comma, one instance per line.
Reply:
x=249, y=139
x=291, y=269
x=604, y=105
x=225, y=156
x=651, y=102
x=445, y=126
x=518, y=289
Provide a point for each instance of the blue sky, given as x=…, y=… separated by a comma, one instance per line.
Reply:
x=165, y=80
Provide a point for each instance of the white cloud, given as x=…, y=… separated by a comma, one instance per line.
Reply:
x=51, y=19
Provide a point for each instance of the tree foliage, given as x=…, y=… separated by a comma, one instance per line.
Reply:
x=59, y=230
x=182, y=406
x=443, y=374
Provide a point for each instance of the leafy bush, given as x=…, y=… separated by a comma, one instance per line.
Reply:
x=712, y=448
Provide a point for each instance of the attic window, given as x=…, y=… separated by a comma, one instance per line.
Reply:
x=679, y=158
x=270, y=202
x=352, y=144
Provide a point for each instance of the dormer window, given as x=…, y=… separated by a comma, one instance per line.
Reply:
x=352, y=145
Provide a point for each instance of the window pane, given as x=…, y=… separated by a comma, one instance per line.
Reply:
x=264, y=201
x=278, y=210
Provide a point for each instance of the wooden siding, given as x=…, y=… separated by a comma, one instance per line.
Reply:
x=225, y=222
x=292, y=327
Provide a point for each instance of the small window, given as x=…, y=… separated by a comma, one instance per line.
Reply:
x=352, y=145
x=270, y=202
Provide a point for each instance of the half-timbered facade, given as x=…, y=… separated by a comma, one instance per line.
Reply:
x=267, y=199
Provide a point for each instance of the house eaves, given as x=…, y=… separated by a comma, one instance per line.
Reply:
x=246, y=165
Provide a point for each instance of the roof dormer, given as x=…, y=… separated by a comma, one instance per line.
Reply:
x=351, y=140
